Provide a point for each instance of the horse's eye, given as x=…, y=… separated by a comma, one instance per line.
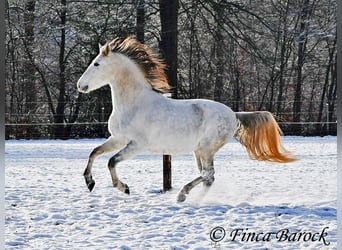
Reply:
x=96, y=64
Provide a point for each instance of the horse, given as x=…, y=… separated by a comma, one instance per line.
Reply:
x=144, y=120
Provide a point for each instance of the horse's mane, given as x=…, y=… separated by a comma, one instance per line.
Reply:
x=150, y=63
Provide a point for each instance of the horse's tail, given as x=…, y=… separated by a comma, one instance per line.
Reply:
x=260, y=134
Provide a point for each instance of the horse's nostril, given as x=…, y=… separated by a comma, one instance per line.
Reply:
x=82, y=88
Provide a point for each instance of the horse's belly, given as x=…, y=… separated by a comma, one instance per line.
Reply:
x=172, y=147
x=171, y=142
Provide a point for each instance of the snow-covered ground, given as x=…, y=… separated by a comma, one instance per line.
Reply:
x=251, y=205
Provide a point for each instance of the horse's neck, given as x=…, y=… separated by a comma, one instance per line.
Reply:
x=130, y=95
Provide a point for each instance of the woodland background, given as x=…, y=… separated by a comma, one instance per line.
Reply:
x=270, y=55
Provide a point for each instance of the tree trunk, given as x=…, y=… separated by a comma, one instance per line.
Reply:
x=59, y=117
x=325, y=98
x=29, y=78
x=283, y=61
x=302, y=40
x=219, y=52
x=140, y=22
x=332, y=92
x=169, y=40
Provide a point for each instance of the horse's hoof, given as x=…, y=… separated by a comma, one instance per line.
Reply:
x=126, y=189
x=91, y=186
x=181, y=197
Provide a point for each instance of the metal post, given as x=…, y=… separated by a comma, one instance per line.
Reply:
x=102, y=120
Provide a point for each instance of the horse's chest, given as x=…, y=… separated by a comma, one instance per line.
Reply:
x=124, y=123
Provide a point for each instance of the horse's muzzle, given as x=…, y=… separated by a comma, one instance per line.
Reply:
x=82, y=88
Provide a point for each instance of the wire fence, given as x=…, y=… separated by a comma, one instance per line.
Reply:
x=100, y=130
x=93, y=123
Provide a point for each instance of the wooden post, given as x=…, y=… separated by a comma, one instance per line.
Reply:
x=167, y=176
x=168, y=46
x=167, y=173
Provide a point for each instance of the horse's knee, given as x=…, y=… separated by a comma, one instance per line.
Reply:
x=112, y=162
x=96, y=151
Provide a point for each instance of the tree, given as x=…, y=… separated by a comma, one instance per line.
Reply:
x=169, y=39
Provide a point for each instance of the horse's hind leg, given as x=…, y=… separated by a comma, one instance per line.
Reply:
x=208, y=170
x=205, y=164
x=108, y=146
x=129, y=151
x=186, y=189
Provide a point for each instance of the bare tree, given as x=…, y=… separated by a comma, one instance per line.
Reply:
x=275, y=55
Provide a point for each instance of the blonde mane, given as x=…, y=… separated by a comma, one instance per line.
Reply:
x=149, y=62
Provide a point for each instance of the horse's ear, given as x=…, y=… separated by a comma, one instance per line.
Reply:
x=104, y=50
x=100, y=46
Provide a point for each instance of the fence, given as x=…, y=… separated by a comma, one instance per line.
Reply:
x=99, y=129
x=40, y=125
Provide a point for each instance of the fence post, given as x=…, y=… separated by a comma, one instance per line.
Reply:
x=327, y=107
x=167, y=176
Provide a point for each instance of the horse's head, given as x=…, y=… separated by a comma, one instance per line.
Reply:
x=98, y=73
x=124, y=61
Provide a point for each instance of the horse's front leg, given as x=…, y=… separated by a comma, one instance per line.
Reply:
x=131, y=149
x=110, y=145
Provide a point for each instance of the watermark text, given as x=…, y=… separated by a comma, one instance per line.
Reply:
x=218, y=234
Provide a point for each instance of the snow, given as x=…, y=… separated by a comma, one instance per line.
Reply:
x=48, y=205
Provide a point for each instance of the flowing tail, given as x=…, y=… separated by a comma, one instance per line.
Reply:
x=260, y=134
